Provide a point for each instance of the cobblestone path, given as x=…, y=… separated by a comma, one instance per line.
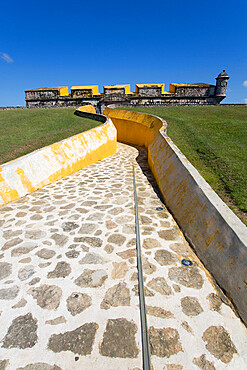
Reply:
x=68, y=280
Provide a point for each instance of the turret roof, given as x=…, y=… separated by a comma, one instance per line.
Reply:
x=223, y=74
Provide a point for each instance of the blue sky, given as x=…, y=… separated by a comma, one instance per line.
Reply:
x=65, y=43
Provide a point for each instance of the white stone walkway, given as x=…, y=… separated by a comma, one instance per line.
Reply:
x=68, y=280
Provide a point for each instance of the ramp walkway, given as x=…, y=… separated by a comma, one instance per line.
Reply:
x=68, y=279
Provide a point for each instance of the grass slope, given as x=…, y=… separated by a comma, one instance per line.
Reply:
x=214, y=139
x=23, y=131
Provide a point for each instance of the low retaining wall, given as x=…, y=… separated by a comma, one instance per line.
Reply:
x=217, y=235
x=87, y=108
x=134, y=128
x=44, y=166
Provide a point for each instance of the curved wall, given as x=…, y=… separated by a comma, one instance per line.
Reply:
x=134, y=128
x=87, y=108
x=44, y=166
x=217, y=235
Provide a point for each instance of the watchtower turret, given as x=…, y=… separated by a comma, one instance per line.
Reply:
x=221, y=85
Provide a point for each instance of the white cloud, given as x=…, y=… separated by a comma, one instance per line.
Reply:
x=6, y=57
x=245, y=101
x=244, y=83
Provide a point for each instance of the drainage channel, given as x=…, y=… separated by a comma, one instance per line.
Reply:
x=143, y=315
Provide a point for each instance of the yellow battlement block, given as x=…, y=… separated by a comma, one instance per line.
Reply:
x=58, y=90
x=116, y=89
x=84, y=91
x=174, y=86
x=64, y=91
x=155, y=89
x=47, y=93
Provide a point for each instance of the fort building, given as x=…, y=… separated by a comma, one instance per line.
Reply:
x=145, y=94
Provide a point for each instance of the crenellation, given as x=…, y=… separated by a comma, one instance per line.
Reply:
x=116, y=89
x=84, y=91
x=150, y=89
x=145, y=94
x=192, y=90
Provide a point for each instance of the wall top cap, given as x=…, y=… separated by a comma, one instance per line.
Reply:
x=48, y=88
x=116, y=86
x=192, y=84
x=223, y=74
x=150, y=85
x=83, y=87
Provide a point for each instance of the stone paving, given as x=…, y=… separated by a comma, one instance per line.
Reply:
x=68, y=279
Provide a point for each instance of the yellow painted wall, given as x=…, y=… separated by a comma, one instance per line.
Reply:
x=87, y=108
x=44, y=166
x=94, y=89
x=172, y=88
x=125, y=87
x=133, y=127
x=148, y=86
x=64, y=91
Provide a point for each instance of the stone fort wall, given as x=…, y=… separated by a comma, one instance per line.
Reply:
x=145, y=94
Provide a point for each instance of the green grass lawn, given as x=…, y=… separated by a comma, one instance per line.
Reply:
x=214, y=139
x=23, y=131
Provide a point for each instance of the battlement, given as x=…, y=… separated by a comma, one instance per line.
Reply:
x=144, y=94
x=47, y=93
x=116, y=89
x=84, y=91
x=192, y=89
x=150, y=89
